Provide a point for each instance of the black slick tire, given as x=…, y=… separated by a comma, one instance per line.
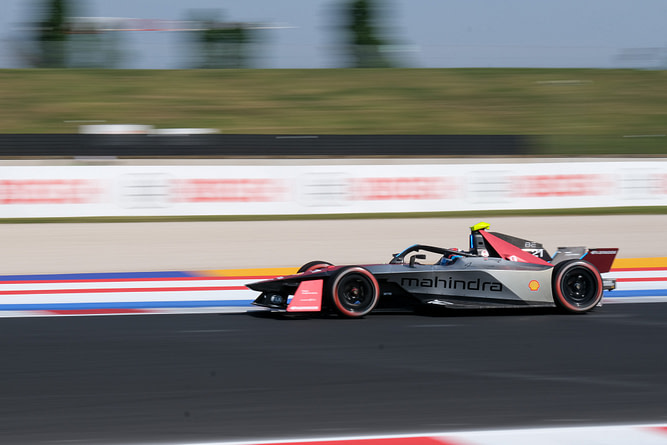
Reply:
x=577, y=286
x=354, y=292
x=312, y=265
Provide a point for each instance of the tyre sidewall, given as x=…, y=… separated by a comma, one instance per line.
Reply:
x=335, y=298
x=561, y=299
x=312, y=265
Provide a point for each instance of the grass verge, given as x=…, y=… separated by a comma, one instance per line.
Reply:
x=657, y=210
x=567, y=111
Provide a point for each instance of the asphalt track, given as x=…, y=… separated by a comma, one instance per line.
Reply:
x=199, y=378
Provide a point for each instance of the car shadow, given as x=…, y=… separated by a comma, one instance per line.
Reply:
x=433, y=312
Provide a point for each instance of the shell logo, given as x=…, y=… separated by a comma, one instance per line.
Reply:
x=534, y=285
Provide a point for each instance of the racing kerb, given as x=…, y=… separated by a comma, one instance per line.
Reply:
x=608, y=435
x=224, y=291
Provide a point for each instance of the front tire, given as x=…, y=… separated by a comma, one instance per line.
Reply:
x=313, y=265
x=577, y=286
x=354, y=292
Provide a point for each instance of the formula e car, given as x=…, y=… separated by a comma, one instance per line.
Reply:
x=497, y=271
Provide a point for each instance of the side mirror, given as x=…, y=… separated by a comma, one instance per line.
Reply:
x=413, y=258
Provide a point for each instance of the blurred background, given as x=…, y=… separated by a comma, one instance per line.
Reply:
x=172, y=34
x=575, y=78
x=570, y=78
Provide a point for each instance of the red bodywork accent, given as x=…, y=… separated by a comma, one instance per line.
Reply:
x=509, y=251
x=417, y=440
x=308, y=297
x=602, y=259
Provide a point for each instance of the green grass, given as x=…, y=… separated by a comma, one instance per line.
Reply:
x=656, y=210
x=565, y=111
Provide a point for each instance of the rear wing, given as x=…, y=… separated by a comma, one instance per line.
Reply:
x=602, y=259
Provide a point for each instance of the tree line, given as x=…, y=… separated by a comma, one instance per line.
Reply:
x=61, y=41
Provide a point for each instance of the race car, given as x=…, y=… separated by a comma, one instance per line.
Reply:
x=498, y=270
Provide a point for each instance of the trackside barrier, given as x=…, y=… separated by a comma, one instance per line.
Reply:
x=43, y=191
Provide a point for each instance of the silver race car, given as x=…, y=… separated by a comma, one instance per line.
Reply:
x=498, y=270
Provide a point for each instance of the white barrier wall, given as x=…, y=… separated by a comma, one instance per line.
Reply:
x=161, y=190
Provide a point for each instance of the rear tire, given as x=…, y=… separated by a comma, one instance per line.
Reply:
x=312, y=265
x=577, y=286
x=354, y=292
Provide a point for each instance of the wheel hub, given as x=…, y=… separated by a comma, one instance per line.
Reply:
x=353, y=295
x=578, y=287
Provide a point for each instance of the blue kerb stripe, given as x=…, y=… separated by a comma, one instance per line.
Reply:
x=96, y=276
x=636, y=293
x=225, y=303
x=124, y=305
